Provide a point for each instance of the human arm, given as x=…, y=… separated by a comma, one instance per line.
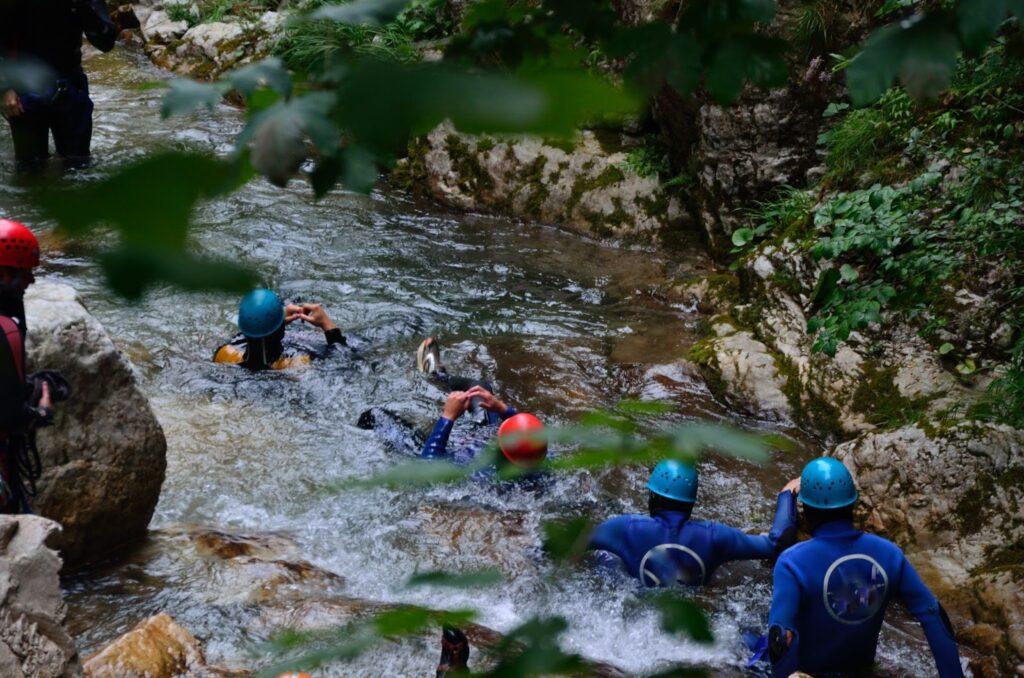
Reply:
x=437, y=443
x=17, y=413
x=490, y=402
x=733, y=544
x=97, y=24
x=783, y=636
x=933, y=619
x=609, y=535
x=315, y=314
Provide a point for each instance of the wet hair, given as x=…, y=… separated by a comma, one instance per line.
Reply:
x=816, y=517
x=658, y=504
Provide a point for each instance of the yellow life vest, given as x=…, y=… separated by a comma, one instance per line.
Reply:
x=233, y=354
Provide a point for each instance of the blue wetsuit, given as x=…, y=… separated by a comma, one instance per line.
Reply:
x=669, y=548
x=831, y=592
x=470, y=444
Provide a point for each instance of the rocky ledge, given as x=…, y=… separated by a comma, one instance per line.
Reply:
x=583, y=186
x=104, y=457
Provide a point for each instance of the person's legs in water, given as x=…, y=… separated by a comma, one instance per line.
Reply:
x=71, y=121
x=454, y=653
x=30, y=132
x=428, y=361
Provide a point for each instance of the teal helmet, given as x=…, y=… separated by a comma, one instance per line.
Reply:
x=827, y=484
x=674, y=480
x=260, y=313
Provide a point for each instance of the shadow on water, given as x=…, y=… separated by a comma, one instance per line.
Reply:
x=559, y=324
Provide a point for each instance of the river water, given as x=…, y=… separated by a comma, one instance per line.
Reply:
x=559, y=324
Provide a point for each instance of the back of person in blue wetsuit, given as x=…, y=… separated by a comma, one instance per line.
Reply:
x=668, y=548
x=831, y=592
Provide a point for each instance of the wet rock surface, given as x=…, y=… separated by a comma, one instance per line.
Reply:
x=581, y=187
x=33, y=640
x=954, y=499
x=103, y=458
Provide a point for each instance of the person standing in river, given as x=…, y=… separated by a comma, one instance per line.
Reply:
x=261, y=344
x=667, y=548
x=831, y=592
x=50, y=32
x=23, y=407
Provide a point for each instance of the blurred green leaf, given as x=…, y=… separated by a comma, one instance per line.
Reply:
x=848, y=273
x=567, y=539
x=269, y=73
x=645, y=408
x=277, y=135
x=946, y=348
x=921, y=51
x=25, y=74
x=150, y=201
x=363, y=12
x=682, y=616
x=132, y=269
x=978, y=20
x=532, y=649
x=419, y=473
x=459, y=580
x=741, y=236
x=187, y=96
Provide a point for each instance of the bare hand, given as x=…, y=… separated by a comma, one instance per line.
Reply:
x=456, y=404
x=487, y=400
x=314, y=314
x=11, y=106
x=292, y=312
x=44, y=398
x=792, y=486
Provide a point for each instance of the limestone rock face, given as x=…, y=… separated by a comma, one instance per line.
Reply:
x=585, y=188
x=159, y=27
x=104, y=457
x=745, y=150
x=748, y=373
x=33, y=641
x=213, y=40
x=954, y=500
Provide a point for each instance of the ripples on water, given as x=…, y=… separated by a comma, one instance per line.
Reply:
x=559, y=324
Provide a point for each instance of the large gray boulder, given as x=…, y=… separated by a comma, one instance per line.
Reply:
x=954, y=501
x=104, y=458
x=33, y=641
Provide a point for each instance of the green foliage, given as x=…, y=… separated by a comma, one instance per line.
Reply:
x=681, y=615
x=208, y=11
x=866, y=140
x=649, y=159
x=787, y=213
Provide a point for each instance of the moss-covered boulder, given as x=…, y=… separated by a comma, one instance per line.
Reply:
x=954, y=501
x=580, y=186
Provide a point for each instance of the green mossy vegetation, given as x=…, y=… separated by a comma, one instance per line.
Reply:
x=880, y=401
x=608, y=176
x=974, y=506
x=473, y=178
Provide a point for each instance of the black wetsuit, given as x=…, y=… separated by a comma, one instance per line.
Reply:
x=19, y=417
x=272, y=352
x=51, y=31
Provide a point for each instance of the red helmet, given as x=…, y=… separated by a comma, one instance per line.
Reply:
x=18, y=247
x=522, y=440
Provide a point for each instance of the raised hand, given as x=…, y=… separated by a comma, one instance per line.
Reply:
x=314, y=314
x=456, y=404
x=487, y=400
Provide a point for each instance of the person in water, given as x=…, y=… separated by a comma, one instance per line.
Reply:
x=262, y=319
x=668, y=548
x=520, y=435
x=50, y=32
x=831, y=592
x=24, y=406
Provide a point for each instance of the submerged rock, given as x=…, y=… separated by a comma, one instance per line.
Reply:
x=579, y=186
x=33, y=641
x=954, y=500
x=104, y=457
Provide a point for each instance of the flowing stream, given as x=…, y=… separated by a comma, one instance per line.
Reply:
x=559, y=324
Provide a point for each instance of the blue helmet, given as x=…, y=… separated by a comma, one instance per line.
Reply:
x=260, y=313
x=827, y=484
x=674, y=480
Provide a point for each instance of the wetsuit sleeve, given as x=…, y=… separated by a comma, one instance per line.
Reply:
x=335, y=337
x=929, y=613
x=733, y=544
x=509, y=412
x=783, y=651
x=609, y=535
x=437, y=444
x=97, y=25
